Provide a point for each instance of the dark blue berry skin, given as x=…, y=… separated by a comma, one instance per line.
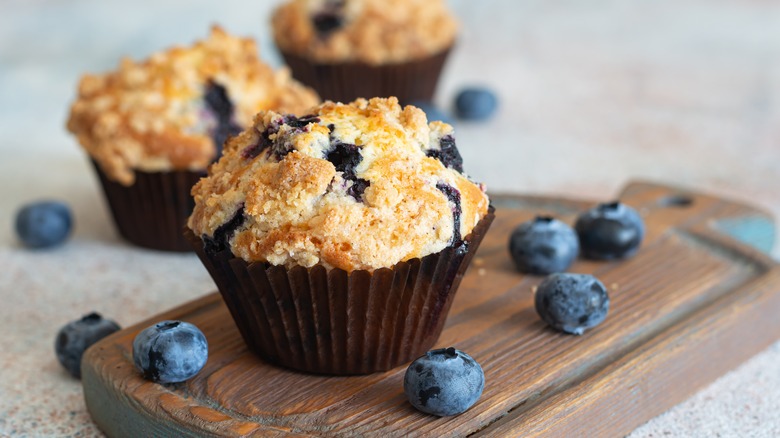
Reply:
x=170, y=351
x=44, y=224
x=543, y=246
x=447, y=154
x=453, y=195
x=433, y=112
x=74, y=339
x=329, y=19
x=475, y=104
x=444, y=382
x=572, y=303
x=219, y=103
x=610, y=231
x=222, y=235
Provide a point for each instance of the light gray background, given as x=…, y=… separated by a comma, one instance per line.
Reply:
x=593, y=94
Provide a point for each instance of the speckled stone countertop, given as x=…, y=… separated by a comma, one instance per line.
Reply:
x=593, y=94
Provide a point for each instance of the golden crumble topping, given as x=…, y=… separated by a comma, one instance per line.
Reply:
x=353, y=186
x=370, y=31
x=168, y=112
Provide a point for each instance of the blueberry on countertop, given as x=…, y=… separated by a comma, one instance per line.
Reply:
x=444, y=382
x=170, y=351
x=610, y=231
x=572, y=303
x=74, y=339
x=433, y=112
x=543, y=246
x=475, y=104
x=43, y=224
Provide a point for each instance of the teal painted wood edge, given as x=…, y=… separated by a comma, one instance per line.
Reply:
x=756, y=231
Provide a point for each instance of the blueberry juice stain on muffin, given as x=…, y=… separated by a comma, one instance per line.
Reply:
x=221, y=107
x=352, y=186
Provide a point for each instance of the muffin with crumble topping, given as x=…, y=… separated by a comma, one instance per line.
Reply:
x=347, y=49
x=152, y=127
x=338, y=239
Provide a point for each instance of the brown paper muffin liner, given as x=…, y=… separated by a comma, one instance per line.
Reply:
x=345, y=82
x=152, y=212
x=333, y=322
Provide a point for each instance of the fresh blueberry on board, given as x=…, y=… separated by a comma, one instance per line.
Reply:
x=170, y=351
x=475, y=103
x=571, y=303
x=610, y=231
x=433, y=112
x=75, y=337
x=444, y=382
x=543, y=246
x=43, y=224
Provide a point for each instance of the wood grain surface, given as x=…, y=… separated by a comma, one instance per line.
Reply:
x=692, y=304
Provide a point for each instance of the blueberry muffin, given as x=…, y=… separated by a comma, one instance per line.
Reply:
x=152, y=127
x=347, y=49
x=351, y=210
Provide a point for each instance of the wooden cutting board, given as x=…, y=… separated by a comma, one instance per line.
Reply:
x=698, y=299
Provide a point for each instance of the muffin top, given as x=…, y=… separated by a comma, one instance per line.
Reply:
x=353, y=186
x=175, y=109
x=369, y=31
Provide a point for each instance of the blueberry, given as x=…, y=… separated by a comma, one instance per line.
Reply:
x=43, y=224
x=220, y=105
x=447, y=153
x=444, y=382
x=543, y=246
x=475, y=104
x=329, y=19
x=453, y=195
x=433, y=112
x=222, y=235
x=170, y=351
x=73, y=339
x=345, y=158
x=572, y=303
x=610, y=231
x=327, y=22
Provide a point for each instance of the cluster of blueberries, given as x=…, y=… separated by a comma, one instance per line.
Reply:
x=166, y=352
x=448, y=381
x=568, y=302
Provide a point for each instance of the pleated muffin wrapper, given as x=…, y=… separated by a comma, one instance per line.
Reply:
x=153, y=210
x=344, y=82
x=325, y=321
